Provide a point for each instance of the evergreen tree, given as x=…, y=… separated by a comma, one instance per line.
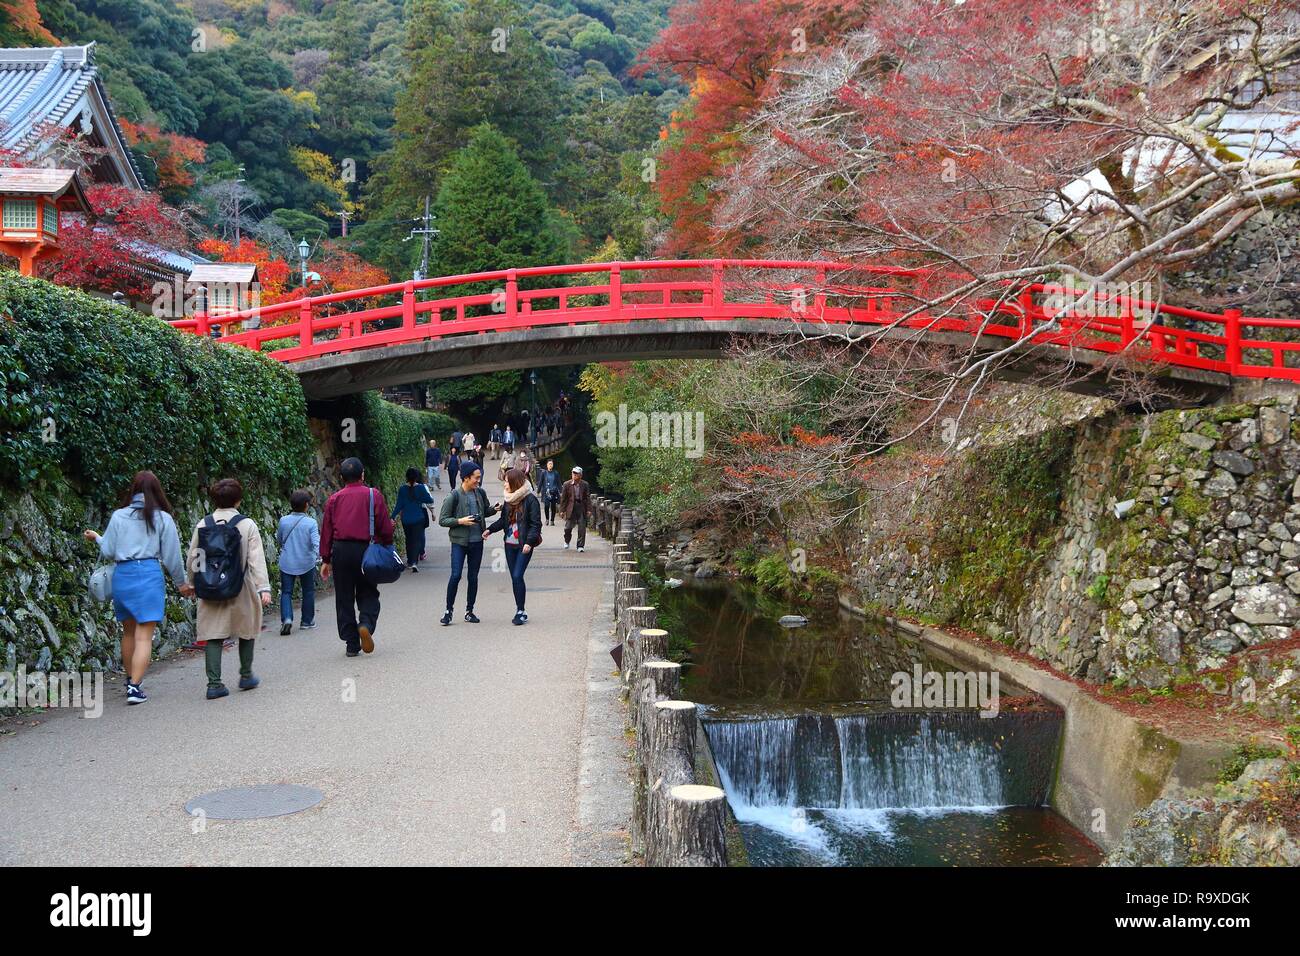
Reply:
x=491, y=213
x=469, y=64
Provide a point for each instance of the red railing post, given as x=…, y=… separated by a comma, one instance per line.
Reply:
x=615, y=290
x=202, y=324
x=1232, y=339
x=304, y=324
x=1126, y=334
x=715, y=293
x=819, y=298
x=1026, y=312
x=408, y=304
x=512, y=295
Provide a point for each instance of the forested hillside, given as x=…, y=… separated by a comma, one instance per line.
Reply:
x=287, y=117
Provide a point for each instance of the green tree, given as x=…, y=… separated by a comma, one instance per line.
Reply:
x=492, y=214
x=468, y=65
x=349, y=101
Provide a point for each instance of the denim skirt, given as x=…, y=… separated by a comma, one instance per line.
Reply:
x=139, y=592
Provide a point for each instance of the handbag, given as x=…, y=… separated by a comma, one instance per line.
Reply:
x=381, y=564
x=101, y=583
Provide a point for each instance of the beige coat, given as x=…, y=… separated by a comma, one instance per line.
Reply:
x=241, y=616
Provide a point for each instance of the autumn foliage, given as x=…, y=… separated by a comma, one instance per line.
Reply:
x=727, y=51
x=171, y=153
x=102, y=253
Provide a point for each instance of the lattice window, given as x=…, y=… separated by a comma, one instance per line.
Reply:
x=50, y=219
x=20, y=214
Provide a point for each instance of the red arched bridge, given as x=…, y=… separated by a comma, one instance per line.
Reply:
x=445, y=327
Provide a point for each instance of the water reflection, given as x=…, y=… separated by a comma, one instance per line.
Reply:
x=742, y=657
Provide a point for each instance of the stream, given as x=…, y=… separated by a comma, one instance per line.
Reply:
x=821, y=769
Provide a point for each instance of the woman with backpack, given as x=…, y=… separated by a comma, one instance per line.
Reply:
x=411, y=499
x=521, y=520
x=143, y=541
x=227, y=566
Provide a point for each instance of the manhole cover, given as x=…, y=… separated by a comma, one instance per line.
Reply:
x=254, y=803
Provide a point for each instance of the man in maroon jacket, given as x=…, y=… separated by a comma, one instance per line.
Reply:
x=344, y=537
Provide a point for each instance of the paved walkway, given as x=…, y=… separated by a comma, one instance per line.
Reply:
x=469, y=744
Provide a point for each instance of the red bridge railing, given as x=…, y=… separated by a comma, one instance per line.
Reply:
x=815, y=293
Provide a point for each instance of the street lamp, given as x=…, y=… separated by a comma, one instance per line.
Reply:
x=532, y=421
x=303, y=249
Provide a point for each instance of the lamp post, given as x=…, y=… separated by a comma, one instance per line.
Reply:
x=303, y=249
x=532, y=420
x=239, y=180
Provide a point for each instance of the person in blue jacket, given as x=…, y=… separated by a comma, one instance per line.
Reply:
x=411, y=499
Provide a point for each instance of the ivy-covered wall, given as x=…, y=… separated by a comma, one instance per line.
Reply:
x=93, y=393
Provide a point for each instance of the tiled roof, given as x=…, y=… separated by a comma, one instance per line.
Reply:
x=238, y=272
x=58, y=85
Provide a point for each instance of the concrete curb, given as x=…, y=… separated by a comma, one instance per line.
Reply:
x=604, y=811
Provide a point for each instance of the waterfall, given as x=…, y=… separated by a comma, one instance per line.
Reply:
x=902, y=760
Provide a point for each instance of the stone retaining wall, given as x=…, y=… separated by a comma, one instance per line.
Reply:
x=1175, y=543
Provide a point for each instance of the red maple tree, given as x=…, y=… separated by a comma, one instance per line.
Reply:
x=104, y=252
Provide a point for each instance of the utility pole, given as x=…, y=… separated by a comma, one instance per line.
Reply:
x=239, y=181
x=425, y=232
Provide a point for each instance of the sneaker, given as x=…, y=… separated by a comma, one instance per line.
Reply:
x=249, y=682
x=566, y=546
x=518, y=618
x=414, y=569
x=580, y=550
x=367, y=642
x=134, y=695
x=285, y=628
x=524, y=615
x=446, y=618
x=220, y=690
x=471, y=617
x=307, y=627
x=353, y=652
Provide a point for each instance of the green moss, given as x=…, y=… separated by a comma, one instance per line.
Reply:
x=1191, y=504
x=1242, y=757
x=1231, y=413
x=1209, y=430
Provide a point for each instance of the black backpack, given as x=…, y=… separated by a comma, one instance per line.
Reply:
x=220, y=574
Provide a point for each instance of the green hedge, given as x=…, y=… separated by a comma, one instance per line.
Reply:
x=118, y=391
x=391, y=438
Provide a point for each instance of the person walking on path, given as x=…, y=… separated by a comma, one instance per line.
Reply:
x=433, y=464
x=575, y=507
x=521, y=521
x=507, y=463
x=142, y=540
x=453, y=470
x=549, y=488
x=456, y=443
x=508, y=439
x=225, y=556
x=464, y=514
x=494, y=442
x=298, y=539
x=411, y=499
x=345, y=535
x=470, y=446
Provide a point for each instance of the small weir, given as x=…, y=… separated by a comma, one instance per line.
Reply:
x=821, y=770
